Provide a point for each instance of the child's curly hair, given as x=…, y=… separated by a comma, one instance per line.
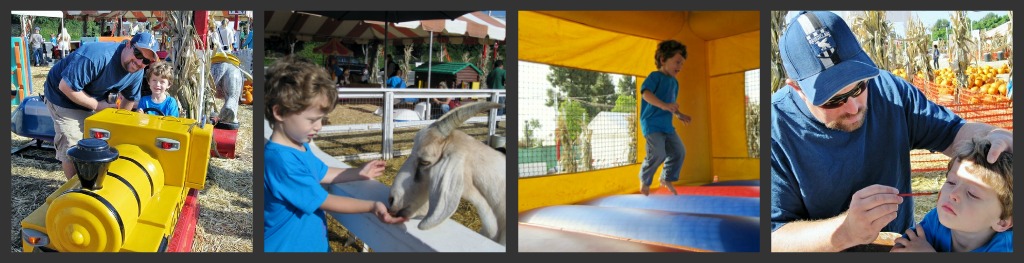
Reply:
x=292, y=83
x=668, y=49
x=161, y=70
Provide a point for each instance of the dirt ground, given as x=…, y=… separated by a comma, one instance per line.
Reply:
x=226, y=206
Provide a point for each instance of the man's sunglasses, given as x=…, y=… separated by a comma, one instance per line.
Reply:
x=138, y=55
x=839, y=100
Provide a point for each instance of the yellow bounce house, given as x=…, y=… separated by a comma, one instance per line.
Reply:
x=722, y=46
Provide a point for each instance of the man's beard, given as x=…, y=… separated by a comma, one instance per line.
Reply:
x=840, y=124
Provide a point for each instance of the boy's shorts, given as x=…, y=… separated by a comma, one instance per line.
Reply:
x=68, y=125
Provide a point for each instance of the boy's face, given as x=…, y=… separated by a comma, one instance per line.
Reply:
x=159, y=85
x=673, y=65
x=303, y=126
x=966, y=203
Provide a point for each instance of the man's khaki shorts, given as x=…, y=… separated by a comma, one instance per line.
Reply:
x=68, y=125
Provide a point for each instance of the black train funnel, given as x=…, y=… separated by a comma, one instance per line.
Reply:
x=91, y=158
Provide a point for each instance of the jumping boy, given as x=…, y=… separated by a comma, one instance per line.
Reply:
x=659, y=105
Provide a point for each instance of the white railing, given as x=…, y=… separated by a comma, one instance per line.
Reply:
x=387, y=125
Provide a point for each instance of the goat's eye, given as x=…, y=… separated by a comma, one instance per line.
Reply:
x=424, y=163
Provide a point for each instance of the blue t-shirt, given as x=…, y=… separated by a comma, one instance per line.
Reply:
x=816, y=170
x=169, y=107
x=396, y=82
x=941, y=237
x=652, y=118
x=292, y=218
x=95, y=68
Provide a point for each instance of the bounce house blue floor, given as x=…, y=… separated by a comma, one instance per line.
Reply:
x=656, y=222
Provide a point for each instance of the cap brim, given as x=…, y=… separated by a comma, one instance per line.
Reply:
x=148, y=53
x=822, y=86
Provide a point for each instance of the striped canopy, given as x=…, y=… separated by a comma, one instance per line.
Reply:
x=473, y=27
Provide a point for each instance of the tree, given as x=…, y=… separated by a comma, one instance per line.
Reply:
x=940, y=29
x=626, y=86
x=625, y=104
x=571, y=122
x=991, y=20
x=529, y=130
x=594, y=90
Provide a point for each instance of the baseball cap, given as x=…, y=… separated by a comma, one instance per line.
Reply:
x=820, y=52
x=146, y=44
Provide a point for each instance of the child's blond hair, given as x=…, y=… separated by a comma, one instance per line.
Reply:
x=998, y=175
x=161, y=70
x=291, y=82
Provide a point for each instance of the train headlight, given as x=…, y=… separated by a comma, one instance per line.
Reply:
x=35, y=238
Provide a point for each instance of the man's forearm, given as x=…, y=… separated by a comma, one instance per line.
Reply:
x=811, y=236
x=79, y=97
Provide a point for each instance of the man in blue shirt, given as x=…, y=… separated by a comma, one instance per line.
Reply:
x=82, y=84
x=842, y=131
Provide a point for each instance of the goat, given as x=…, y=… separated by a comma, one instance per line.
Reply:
x=447, y=164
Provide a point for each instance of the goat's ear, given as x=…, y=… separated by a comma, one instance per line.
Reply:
x=446, y=186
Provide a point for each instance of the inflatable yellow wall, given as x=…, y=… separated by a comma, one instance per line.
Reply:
x=721, y=46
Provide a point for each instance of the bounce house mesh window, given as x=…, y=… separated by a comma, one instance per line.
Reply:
x=575, y=120
x=752, y=88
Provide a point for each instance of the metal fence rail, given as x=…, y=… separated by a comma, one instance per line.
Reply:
x=411, y=99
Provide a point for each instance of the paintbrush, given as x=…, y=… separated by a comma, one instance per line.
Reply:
x=917, y=194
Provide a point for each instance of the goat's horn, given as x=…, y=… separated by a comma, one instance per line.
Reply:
x=456, y=117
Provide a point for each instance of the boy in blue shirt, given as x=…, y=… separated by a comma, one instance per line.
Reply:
x=975, y=208
x=159, y=78
x=397, y=81
x=659, y=105
x=298, y=96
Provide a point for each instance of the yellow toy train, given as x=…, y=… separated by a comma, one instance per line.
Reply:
x=135, y=191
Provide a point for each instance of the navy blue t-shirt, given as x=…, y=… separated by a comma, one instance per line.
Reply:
x=96, y=69
x=652, y=118
x=816, y=170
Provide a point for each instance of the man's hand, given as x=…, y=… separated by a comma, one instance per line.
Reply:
x=871, y=209
x=372, y=169
x=1002, y=141
x=914, y=242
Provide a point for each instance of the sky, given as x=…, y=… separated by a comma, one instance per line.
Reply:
x=927, y=18
x=497, y=14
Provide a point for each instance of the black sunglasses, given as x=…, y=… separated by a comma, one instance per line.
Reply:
x=138, y=55
x=839, y=100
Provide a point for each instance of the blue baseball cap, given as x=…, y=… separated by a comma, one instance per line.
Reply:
x=146, y=44
x=820, y=52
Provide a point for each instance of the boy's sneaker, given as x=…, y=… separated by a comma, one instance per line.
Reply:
x=670, y=187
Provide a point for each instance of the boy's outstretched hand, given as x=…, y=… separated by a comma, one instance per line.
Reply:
x=372, y=169
x=381, y=211
x=683, y=117
x=914, y=242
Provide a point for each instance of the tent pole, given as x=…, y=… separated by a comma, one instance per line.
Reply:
x=430, y=60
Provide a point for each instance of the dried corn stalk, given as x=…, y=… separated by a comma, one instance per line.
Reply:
x=194, y=85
